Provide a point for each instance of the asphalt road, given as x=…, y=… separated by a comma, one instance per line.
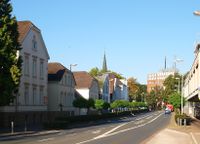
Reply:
x=126, y=130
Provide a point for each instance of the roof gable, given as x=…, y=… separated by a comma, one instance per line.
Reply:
x=56, y=71
x=83, y=79
x=24, y=28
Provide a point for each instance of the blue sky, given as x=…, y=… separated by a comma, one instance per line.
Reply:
x=136, y=34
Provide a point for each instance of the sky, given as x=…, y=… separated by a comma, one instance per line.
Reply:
x=136, y=35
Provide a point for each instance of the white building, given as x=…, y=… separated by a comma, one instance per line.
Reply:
x=191, y=90
x=61, y=88
x=104, y=87
x=113, y=88
x=86, y=85
x=30, y=105
x=124, y=89
x=33, y=83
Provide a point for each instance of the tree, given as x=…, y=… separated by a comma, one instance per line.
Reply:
x=90, y=104
x=132, y=88
x=171, y=84
x=10, y=63
x=155, y=98
x=151, y=100
x=94, y=72
x=80, y=102
x=141, y=92
x=101, y=104
x=175, y=100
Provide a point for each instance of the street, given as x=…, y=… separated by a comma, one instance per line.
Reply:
x=127, y=130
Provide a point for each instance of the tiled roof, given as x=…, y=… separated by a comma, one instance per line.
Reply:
x=23, y=29
x=83, y=79
x=56, y=71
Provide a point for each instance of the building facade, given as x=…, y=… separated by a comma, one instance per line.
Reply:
x=61, y=89
x=32, y=98
x=157, y=79
x=191, y=89
x=86, y=85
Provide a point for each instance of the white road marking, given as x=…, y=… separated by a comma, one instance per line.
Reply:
x=47, y=139
x=107, y=134
x=193, y=138
x=96, y=132
x=149, y=117
x=139, y=122
x=143, y=117
x=112, y=130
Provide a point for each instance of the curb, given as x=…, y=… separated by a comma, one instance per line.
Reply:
x=27, y=134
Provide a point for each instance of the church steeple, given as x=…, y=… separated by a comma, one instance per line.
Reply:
x=104, y=67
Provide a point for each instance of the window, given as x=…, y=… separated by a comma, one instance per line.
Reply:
x=34, y=43
x=41, y=69
x=41, y=101
x=34, y=67
x=34, y=95
x=26, y=94
x=26, y=65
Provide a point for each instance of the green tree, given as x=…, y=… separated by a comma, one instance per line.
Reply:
x=10, y=63
x=141, y=92
x=80, y=102
x=94, y=72
x=101, y=104
x=90, y=104
x=106, y=105
x=132, y=88
x=171, y=84
x=175, y=100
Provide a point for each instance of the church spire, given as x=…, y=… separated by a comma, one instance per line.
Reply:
x=104, y=67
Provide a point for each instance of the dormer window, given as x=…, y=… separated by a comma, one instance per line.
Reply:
x=34, y=43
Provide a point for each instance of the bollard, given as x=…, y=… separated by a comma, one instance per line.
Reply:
x=185, y=122
x=180, y=122
x=25, y=127
x=12, y=127
x=177, y=121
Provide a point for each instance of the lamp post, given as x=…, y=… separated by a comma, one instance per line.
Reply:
x=181, y=85
x=72, y=65
x=197, y=12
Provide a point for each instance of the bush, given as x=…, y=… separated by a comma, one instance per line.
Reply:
x=66, y=122
x=182, y=117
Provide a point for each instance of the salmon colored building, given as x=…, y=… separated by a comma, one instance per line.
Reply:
x=157, y=79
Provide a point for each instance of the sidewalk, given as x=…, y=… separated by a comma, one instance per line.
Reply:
x=175, y=134
x=18, y=135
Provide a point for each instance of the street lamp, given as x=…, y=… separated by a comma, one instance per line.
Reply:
x=197, y=12
x=181, y=87
x=178, y=89
x=72, y=65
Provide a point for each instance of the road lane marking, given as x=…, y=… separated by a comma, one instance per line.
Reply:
x=96, y=132
x=121, y=131
x=110, y=131
x=193, y=138
x=47, y=139
x=139, y=122
x=143, y=117
x=149, y=117
x=132, y=128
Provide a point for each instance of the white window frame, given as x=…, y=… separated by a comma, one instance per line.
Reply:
x=34, y=67
x=26, y=94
